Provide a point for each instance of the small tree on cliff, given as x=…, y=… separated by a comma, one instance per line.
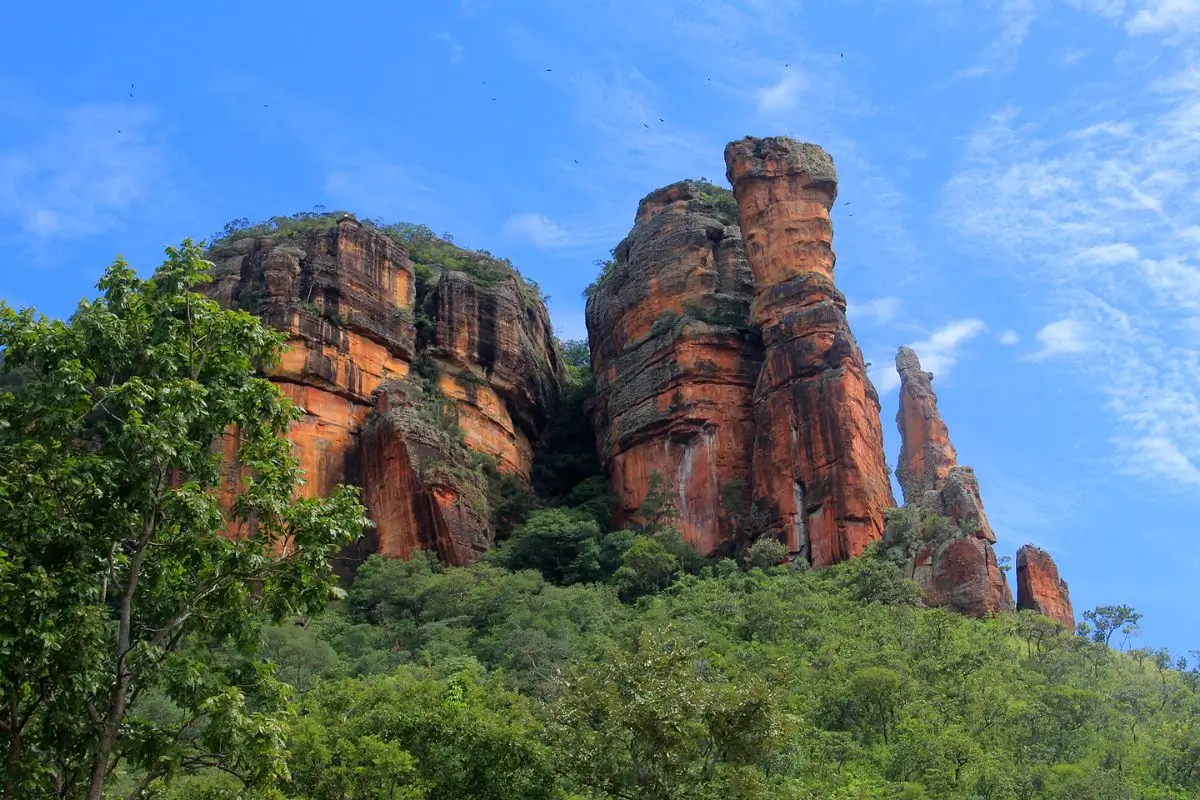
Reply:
x=130, y=628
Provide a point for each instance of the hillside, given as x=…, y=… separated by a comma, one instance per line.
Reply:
x=667, y=562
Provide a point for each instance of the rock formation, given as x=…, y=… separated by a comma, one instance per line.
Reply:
x=942, y=534
x=675, y=361
x=346, y=294
x=818, y=465
x=1040, y=589
x=417, y=478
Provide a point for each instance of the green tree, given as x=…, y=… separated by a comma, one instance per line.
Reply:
x=651, y=724
x=766, y=553
x=116, y=580
x=1107, y=620
x=412, y=734
x=646, y=567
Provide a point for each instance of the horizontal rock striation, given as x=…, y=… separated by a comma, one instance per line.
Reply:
x=346, y=295
x=675, y=360
x=818, y=465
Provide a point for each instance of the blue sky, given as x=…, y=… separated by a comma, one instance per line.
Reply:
x=1021, y=178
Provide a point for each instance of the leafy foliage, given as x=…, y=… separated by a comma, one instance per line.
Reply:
x=120, y=575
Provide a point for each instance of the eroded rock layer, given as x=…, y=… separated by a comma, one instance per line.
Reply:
x=495, y=344
x=418, y=483
x=675, y=361
x=346, y=295
x=818, y=465
x=944, y=534
x=1040, y=589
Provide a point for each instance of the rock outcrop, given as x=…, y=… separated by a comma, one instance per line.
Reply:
x=418, y=482
x=942, y=534
x=1040, y=589
x=675, y=361
x=346, y=294
x=495, y=346
x=819, y=471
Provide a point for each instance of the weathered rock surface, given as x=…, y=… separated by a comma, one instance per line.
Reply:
x=346, y=296
x=818, y=465
x=418, y=483
x=950, y=556
x=1040, y=589
x=495, y=344
x=675, y=361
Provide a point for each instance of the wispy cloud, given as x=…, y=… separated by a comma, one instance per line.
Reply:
x=879, y=311
x=1015, y=19
x=939, y=352
x=1062, y=338
x=92, y=165
x=783, y=95
x=1009, y=337
x=1093, y=205
x=537, y=229
x=457, y=51
x=1166, y=17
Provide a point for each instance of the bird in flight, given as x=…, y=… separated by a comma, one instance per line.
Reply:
x=660, y=119
x=644, y=125
x=846, y=203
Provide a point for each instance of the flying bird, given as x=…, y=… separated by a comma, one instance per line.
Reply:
x=660, y=119
x=549, y=70
x=846, y=203
x=644, y=125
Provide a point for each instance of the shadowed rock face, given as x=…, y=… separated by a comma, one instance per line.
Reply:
x=418, y=483
x=345, y=296
x=957, y=566
x=495, y=346
x=818, y=463
x=1040, y=589
x=675, y=361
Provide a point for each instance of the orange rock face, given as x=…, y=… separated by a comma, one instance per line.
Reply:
x=495, y=344
x=418, y=485
x=675, y=361
x=346, y=298
x=958, y=567
x=1040, y=589
x=818, y=463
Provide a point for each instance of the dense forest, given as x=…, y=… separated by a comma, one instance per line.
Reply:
x=142, y=655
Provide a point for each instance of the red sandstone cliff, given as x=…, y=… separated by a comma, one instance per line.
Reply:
x=818, y=463
x=1040, y=589
x=346, y=295
x=942, y=533
x=675, y=362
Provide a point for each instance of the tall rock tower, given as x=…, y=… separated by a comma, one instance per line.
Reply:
x=818, y=464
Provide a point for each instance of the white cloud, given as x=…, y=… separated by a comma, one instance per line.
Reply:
x=782, y=96
x=1009, y=337
x=1109, y=254
x=879, y=311
x=537, y=229
x=1165, y=16
x=92, y=165
x=938, y=353
x=1016, y=18
x=1061, y=338
x=1048, y=194
x=456, y=49
x=1105, y=8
